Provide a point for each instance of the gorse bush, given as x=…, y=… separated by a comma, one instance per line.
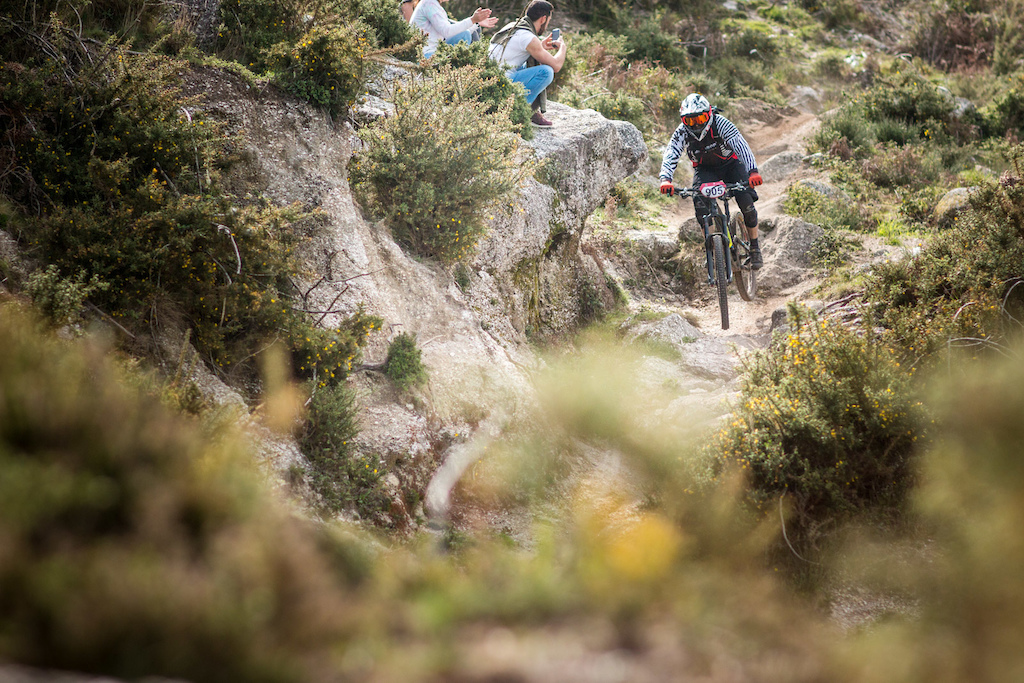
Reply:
x=318, y=50
x=117, y=178
x=956, y=291
x=826, y=420
x=324, y=66
x=389, y=26
x=61, y=299
x=404, y=364
x=432, y=168
x=496, y=90
x=342, y=479
x=250, y=28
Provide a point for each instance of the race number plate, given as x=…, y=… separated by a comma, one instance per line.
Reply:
x=713, y=190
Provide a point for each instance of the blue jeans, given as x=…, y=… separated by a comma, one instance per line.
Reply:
x=534, y=79
x=464, y=37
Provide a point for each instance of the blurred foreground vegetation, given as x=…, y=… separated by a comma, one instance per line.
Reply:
x=139, y=542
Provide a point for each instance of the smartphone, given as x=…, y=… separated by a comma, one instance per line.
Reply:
x=556, y=33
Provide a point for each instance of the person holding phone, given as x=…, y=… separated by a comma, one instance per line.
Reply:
x=519, y=46
x=431, y=18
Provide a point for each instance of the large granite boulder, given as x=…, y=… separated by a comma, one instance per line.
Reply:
x=787, y=257
x=952, y=204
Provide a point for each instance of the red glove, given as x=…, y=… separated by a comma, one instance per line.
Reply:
x=666, y=187
x=756, y=179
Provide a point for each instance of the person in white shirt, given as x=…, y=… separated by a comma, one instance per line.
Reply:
x=431, y=18
x=407, y=7
x=518, y=43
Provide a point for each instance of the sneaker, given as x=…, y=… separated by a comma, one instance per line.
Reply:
x=756, y=262
x=538, y=120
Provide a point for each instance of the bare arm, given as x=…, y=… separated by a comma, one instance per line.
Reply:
x=537, y=51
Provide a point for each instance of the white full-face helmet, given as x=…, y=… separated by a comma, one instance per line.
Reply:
x=695, y=112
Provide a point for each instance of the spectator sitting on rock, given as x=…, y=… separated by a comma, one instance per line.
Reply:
x=518, y=45
x=407, y=6
x=431, y=18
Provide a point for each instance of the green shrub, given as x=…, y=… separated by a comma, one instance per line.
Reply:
x=117, y=177
x=907, y=97
x=250, y=28
x=432, y=168
x=1005, y=115
x=342, y=479
x=898, y=132
x=324, y=66
x=496, y=90
x=389, y=26
x=893, y=166
x=137, y=543
x=790, y=15
x=740, y=76
x=618, y=105
x=917, y=207
x=61, y=299
x=832, y=65
x=826, y=420
x=645, y=41
x=957, y=288
x=404, y=364
x=846, y=129
x=753, y=44
x=827, y=212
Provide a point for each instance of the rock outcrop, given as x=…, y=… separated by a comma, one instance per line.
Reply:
x=529, y=276
x=787, y=255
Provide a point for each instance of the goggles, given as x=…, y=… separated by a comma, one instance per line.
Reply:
x=696, y=119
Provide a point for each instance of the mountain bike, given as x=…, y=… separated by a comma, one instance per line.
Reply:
x=718, y=241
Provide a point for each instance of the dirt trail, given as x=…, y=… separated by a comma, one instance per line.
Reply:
x=787, y=132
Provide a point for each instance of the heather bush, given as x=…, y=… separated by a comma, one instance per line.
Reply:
x=893, y=166
x=430, y=170
x=826, y=422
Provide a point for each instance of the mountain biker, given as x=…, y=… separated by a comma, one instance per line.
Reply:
x=718, y=152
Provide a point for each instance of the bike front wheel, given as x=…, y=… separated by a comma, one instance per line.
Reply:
x=745, y=275
x=718, y=249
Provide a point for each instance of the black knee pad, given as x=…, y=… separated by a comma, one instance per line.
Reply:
x=750, y=216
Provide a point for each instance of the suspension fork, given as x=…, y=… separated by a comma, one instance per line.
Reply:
x=716, y=222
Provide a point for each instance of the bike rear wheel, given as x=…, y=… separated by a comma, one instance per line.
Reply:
x=718, y=248
x=745, y=275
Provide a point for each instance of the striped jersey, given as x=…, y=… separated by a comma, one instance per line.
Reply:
x=722, y=144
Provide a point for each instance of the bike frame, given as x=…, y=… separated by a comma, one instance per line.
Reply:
x=717, y=220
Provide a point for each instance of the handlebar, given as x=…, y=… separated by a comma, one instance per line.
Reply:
x=731, y=189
